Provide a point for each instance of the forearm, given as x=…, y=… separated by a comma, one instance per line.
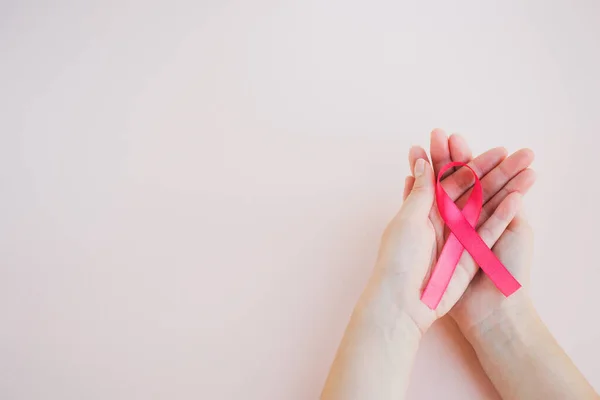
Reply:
x=376, y=355
x=522, y=358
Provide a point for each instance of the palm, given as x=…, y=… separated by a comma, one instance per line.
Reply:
x=481, y=297
x=499, y=177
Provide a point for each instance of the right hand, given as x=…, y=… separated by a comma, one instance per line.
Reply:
x=482, y=301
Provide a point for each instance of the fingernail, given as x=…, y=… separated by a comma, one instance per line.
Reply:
x=419, y=167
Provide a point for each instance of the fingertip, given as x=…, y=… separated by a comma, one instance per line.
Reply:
x=414, y=154
x=457, y=136
x=439, y=149
x=495, y=157
x=423, y=175
x=524, y=156
x=415, y=150
x=501, y=150
x=438, y=133
x=459, y=149
x=530, y=176
x=529, y=153
x=421, y=196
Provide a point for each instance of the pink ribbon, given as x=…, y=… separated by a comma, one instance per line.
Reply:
x=463, y=236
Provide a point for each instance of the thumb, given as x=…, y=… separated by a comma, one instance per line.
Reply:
x=420, y=199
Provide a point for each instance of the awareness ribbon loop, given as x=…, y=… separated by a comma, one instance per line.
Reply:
x=463, y=237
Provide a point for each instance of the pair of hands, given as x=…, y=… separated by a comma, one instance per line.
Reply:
x=515, y=349
x=415, y=237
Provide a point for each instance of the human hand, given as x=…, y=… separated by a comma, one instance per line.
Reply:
x=514, y=247
x=516, y=350
x=482, y=301
x=414, y=238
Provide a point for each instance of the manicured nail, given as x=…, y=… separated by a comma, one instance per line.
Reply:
x=419, y=167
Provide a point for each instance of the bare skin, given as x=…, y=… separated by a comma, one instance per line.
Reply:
x=518, y=353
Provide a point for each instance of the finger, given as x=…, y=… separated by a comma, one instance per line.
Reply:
x=493, y=228
x=460, y=181
x=459, y=149
x=408, y=185
x=420, y=199
x=439, y=149
x=508, y=169
x=520, y=183
x=519, y=223
x=495, y=180
x=414, y=154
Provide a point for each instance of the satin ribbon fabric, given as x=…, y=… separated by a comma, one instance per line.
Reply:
x=463, y=236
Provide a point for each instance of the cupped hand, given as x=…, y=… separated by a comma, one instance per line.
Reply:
x=482, y=299
x=414, y=238
x=514, y=247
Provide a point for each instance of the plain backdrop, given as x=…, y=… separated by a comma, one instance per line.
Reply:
x=192, y=193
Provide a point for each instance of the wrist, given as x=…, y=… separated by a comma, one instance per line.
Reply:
x=378, y=306
x=476, y=312
x=513, y=321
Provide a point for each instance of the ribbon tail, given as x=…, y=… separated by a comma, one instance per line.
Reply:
x=483, y=256
x=442, y=273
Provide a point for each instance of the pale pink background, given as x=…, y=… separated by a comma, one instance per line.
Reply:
x=193, y=193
